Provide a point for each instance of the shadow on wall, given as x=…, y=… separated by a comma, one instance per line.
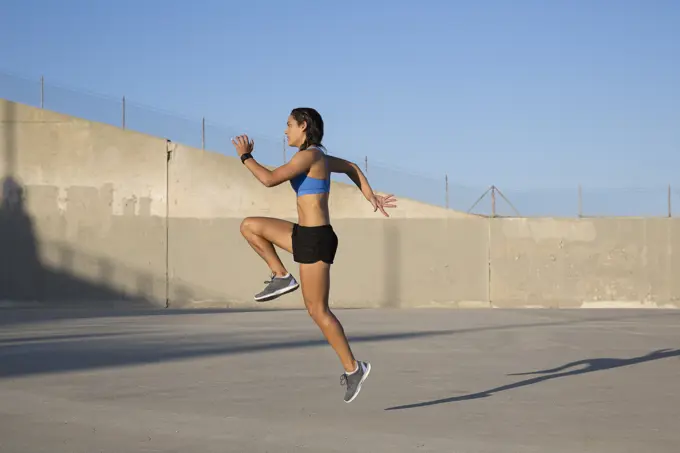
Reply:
x=21, y=269
x=25, y=278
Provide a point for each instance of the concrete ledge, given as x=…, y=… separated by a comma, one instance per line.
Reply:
x=630, y=304
x=295, y=304
x=463, y=304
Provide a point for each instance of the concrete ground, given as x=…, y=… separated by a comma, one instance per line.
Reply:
x=449, y=381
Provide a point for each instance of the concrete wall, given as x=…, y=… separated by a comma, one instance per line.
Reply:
x=83, y=211
x=585, y=262
x=210, y=194
x=93, y=214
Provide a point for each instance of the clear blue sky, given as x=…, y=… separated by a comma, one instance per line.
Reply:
x=523, y=94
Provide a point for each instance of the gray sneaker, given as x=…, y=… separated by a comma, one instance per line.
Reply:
x=353, y=381
x=276, y=287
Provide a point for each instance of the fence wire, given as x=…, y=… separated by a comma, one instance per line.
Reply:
x=438, y=190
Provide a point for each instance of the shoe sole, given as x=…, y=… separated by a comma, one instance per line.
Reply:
x=278, y=293
x=368, y=371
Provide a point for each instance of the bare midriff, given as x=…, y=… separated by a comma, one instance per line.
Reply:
x=313, y=210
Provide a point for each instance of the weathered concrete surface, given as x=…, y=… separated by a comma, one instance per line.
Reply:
x=207, y=186
x=82, y=217
x=569, y=381
x=585, y=262
x=400, y=261
x=379, y=263
x=95, y=214
x=92, y=213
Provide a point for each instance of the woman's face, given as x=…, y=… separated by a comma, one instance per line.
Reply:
x=295, y=133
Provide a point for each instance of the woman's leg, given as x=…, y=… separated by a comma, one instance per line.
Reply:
x=315, y=279
x=262, y=233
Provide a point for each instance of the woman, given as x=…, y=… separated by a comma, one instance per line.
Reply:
x=312, y=240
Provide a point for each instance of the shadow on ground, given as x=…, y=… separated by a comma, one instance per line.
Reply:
x=39, y=354
x=587, y=366
x=25, y=351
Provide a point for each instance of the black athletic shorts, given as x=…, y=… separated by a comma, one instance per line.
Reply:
x=312, y=244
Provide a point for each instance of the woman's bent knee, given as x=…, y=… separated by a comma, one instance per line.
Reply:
x=248, y=225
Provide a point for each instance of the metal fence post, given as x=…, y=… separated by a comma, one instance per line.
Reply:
x=446, y=183
x=580, y=201
x=42, y=92
x=670, y=212
x=203, y=134
x=123, y=112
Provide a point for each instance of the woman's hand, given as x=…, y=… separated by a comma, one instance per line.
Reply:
x=243, y=144
x=381, y=202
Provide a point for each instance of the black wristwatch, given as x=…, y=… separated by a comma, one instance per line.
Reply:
x=245, y=157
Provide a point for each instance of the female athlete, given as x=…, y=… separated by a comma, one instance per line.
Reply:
x=312, y=241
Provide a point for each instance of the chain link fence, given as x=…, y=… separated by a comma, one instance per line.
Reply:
x=203, y=133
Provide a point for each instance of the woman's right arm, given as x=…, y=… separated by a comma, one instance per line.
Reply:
x=352, y=170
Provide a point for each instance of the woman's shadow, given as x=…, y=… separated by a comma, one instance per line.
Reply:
x=587, y=366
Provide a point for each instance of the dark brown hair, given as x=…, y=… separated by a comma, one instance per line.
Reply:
x=314, y=130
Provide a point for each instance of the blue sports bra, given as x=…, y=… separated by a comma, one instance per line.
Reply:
x=304, y=185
